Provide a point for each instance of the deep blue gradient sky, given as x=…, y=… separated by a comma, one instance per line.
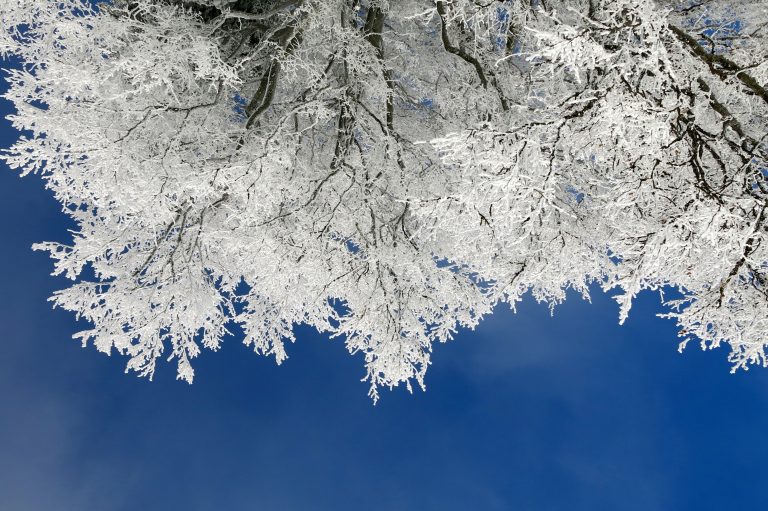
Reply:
x=527, y=413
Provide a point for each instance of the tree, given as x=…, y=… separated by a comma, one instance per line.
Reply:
x=390, y=171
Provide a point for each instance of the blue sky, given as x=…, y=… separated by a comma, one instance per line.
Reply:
x=527, y=413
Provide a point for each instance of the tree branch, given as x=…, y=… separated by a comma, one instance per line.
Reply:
x=718, y=64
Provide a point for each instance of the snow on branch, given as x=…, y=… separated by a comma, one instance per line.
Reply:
x=389, y=171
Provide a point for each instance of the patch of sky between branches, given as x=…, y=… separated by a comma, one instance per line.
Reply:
x=239, y=108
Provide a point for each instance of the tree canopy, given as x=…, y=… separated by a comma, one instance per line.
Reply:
x=389, y=171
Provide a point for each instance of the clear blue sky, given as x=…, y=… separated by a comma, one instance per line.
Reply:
x=527, y=413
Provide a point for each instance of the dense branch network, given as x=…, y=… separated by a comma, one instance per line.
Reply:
x=390, y=171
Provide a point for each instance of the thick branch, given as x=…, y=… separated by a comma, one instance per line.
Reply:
x=455, y=50
x=718, y=64
x=266, y=91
